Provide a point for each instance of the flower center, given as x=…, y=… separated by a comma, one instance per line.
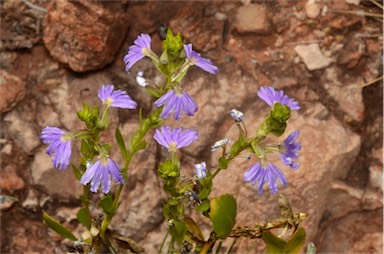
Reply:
x=172, y=146
x=65, y=137
x=108, y=101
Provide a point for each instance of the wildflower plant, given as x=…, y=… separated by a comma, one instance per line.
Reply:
x=97, y=168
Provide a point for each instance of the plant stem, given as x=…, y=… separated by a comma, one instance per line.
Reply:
x=108, y=217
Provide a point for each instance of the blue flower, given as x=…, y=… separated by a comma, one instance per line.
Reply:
x=176, y=102
x=289, y=150
x=195, y=59
x=117, y=98
x=60, y=144
x=100, y=173
x=140, y=49
x=174, y=139
x=271, y=96
x=260, y=173
x=201, y=170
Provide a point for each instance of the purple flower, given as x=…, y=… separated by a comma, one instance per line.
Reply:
x=116, y=98
x=271, y=96
x=100, y=173
x=140, y=49
x=59, y=144
x=289, y=150
x=196, y=59
x=259, y=174
x=175, y=138
x=176, y=103
x=201, y=170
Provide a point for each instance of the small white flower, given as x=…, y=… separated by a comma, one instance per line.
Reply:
x=220, y=143
x=141, y=81
x=237, y=115
x=201, y=170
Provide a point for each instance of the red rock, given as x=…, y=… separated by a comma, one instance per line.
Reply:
x=10, y=181
x=84, y=35
x=204, y=34
x=252, y=18
x=351, y=54
x=12, y=91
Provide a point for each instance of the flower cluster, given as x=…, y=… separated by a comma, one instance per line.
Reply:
x=60, y=144
x=175, y=100
x=265, y=171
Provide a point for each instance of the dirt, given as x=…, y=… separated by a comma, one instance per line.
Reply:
x=22, y=230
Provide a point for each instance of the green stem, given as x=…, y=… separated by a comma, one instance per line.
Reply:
x=163, y=242
x=108, y=217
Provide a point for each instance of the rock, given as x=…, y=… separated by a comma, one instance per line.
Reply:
x=376, y=175
x=204, y=34
x=367, y=236
x=12, y=91
x=351, y=53
x=60, y=184
x=84, y=35
x=22, y=131
x=348, y=94
x=11, y=182
x=312, y=10
x=312, y=56
x=34, y=200
x=7, y=149
x=355, y=2
x=252, y=18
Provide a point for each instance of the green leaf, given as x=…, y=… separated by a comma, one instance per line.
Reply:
x=84, y=218
x=58, y=227
x=106, y=204
x=135, y=137
x=204, y=193
x=121, y=143
x=296, y=242
x=193, y=228
x=204, y=206
x=76, y=172
x=223, y=215
x=85, y=149
x=142, y=145
x=274, y=243
x=178, y=231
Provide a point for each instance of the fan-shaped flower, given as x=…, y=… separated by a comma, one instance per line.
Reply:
x=289, y=150
x=195, y=59
x=176, y=103
x=140, y=49
x=271, y=96
x=115, y=98
x=174, y=139
x=100, y=173
x=261, y=173
x=59, y=144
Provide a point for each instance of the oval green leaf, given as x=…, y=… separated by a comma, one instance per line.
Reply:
x=84, y=218
x=274, y=244
x=296, y=242
x=106, y=204
x=223, y=215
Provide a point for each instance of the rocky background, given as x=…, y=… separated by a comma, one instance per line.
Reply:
x=327, y=54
